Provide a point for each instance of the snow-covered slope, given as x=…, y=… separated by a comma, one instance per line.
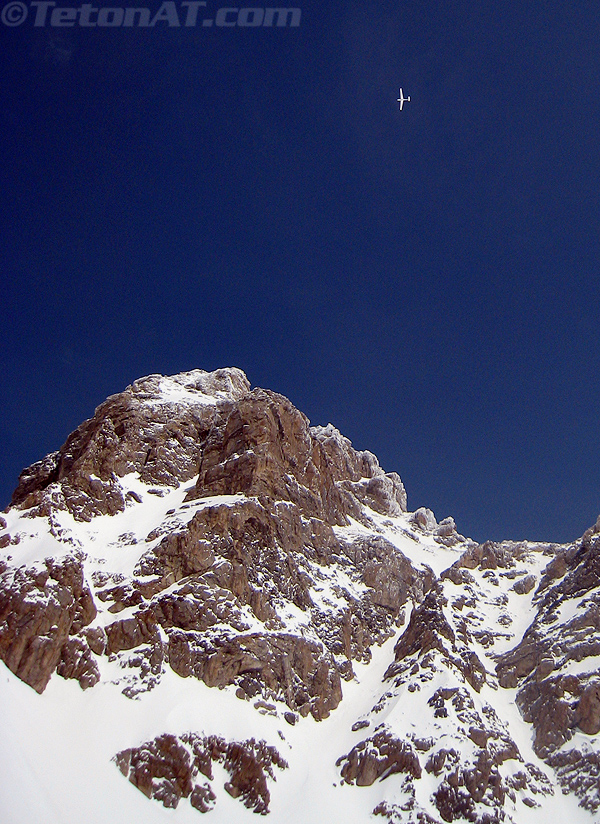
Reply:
x=203, y=594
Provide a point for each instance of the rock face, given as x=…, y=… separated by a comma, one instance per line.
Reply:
x=479, y=770
x=556, y=691
x=155, y=428
x=196, y=528
x=587, y=713
x=208, y=425
x=293, y=485
x=42, y=609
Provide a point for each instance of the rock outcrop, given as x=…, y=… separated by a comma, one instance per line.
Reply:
x=156, y=428
x=170, y=768
x=556, y=692
x=204, y=593
x=42, y=608
x=380, y=756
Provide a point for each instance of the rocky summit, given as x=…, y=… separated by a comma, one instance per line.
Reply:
x=210, y=607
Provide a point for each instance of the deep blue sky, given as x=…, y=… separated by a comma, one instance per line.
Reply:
x=426, y=280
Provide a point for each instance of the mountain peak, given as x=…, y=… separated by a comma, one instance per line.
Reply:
x=196, y=387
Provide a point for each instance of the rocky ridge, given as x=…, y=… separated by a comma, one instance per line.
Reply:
x=196, y=528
